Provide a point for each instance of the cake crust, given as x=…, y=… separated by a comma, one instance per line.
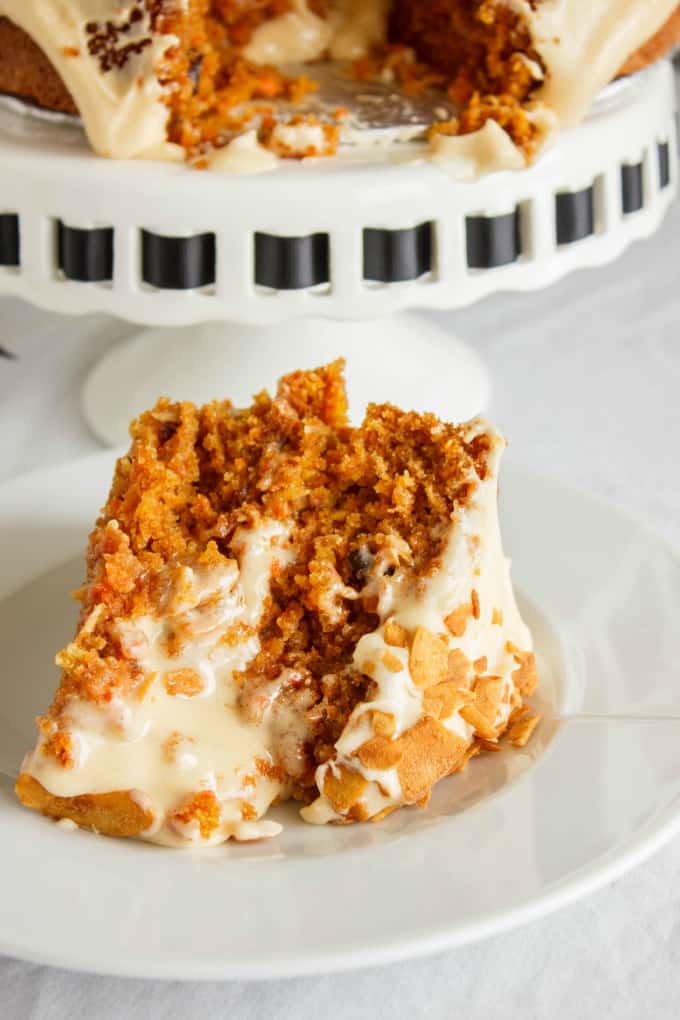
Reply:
x=111, y=814
x=27, y=74
x=661, y=43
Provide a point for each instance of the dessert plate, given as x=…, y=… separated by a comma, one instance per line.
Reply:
x=520, y=833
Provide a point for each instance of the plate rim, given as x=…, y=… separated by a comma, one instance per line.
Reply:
x=644, y=842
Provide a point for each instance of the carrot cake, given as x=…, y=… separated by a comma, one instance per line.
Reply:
x=279, y=605
x=180, y=79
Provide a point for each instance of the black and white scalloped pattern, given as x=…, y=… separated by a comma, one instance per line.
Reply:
x=284, y=263
x=381, y=258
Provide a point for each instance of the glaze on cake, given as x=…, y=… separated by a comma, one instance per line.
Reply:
x=281, y=606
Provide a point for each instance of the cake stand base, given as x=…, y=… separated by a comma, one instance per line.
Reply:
x=408, y=360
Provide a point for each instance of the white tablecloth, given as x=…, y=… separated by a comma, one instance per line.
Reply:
x=586, y=384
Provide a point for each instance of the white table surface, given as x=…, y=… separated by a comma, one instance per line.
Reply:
x=586, y=385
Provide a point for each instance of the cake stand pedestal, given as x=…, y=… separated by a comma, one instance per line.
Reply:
x=360, y=237
x=405, y=359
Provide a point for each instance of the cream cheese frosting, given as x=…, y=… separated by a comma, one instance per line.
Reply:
x=583, y=45
x=349, y=31
x=176, y=741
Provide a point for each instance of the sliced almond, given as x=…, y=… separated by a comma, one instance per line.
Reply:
x=344, y=789
x=471, y=752
x=384, y=724
x=392, y=662
x=520, y=731
x=447, y=697
x=489, y=745
x=458, y=668
x=525, y=677
x=488, y=696
x=428, y=658
x=432, y=705
x=379, y=753
x=429, y=752
x=478, y=721
x=519, y=713
x=457, y=620
x=395, y=635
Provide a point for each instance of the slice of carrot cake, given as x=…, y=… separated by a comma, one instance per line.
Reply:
x=280, y=605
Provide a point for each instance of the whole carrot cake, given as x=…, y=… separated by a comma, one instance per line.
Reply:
x=279, y=605
x=180, y=79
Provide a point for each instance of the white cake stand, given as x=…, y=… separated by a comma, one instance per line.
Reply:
x=260, y=266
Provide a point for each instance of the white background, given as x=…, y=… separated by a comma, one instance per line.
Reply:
x=587, y=387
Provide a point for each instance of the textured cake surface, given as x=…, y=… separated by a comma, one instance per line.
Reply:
x=279, y=605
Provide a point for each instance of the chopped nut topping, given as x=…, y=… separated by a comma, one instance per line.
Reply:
x=488, y=696
x=481, y=724
x=526, y=677
x=442, y=700
x=488, y=745
x=456, y=621
x=428, y=658
x=395, y=635
x=429, y=752
x=521, y=730
x=383, y=723
x=473, y=750
x=392, y=662
x=458, y=668
x=345, y=789
x=380, y=753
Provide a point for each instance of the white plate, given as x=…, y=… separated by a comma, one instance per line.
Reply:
x=517, y=835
